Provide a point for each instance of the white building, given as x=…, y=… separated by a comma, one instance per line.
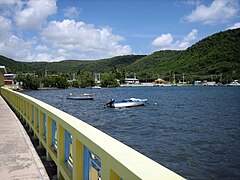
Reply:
x=131, y=81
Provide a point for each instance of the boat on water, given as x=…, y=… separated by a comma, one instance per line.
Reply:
x=94, y=87
x=126, y=103
x=234, y=83
x=81, y=96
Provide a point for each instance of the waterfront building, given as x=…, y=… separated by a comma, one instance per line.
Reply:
x=2, y=72
x=132, y=81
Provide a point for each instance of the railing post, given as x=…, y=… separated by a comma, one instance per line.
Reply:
x=48, y=136
x=35, y=123
x=105, y=170
x=41, y=127
x=24, y=110
x=78, y=149
x=30, y=113
x=60, y=149
x=27, y=112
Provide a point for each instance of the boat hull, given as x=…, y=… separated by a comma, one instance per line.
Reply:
x=132, y=102
x=80, y=98
x=129, y=104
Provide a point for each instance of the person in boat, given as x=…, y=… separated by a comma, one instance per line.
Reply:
x=110, y=103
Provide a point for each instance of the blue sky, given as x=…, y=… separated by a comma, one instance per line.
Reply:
x=54, y=30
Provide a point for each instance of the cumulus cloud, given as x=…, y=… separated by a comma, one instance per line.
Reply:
x=55, y=40
x=15, y=47
x=41, y=48
x=33, y=13
x=219, y=11
x=235, y=26
x=11, y=45
x=5, y=27
x=81, y=38
x=71, y=12
x=165, y=41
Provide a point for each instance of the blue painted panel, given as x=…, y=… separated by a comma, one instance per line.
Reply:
x=67, y=154
x=54, y=128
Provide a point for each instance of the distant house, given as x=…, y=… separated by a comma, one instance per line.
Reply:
x=131, y=81
x=212, y=83
x=197, y=83
x=9, y=79
x=161, y=81
x=2, y=72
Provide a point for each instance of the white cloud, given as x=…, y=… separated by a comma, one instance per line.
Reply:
x=42, y=57
x=191, y=36
x=60, y=41
x=11, y=45
x=41, y=48
x=33, y=13
x=8, y=1
x=192, y=2
x=71, y=12
x=5, y=27
x=235, y=26
x=165, y=41
x=84, y=39
x=14, y=47
x=219, y=11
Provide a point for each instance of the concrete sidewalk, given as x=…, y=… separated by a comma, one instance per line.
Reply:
x=18, y=158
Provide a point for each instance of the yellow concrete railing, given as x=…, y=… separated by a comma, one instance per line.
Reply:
x=79, y=150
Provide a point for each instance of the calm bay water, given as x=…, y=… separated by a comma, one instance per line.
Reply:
x=194, y=131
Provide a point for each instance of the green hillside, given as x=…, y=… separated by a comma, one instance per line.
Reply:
x=215, y=56
x=70, y=66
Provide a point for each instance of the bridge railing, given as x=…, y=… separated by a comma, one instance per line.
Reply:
x=79, y=150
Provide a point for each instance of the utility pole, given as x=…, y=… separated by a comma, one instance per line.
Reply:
x=46, y=73
x=73, y=76
x=174, y=78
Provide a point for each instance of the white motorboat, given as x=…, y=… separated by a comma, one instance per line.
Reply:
x=81, y=96
x=234, y=83
x=126, y=103
x=94, y=87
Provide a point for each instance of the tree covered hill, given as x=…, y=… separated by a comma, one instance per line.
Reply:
x=216, y=55
x=69, y=66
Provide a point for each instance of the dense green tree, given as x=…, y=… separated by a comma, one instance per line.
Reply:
x=29, y=82
x=86, y=79
x=75, y=84
x=61, y=82
x=49, y=81
x=109, y=80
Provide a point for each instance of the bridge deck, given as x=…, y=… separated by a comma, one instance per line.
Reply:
x=18, y=158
